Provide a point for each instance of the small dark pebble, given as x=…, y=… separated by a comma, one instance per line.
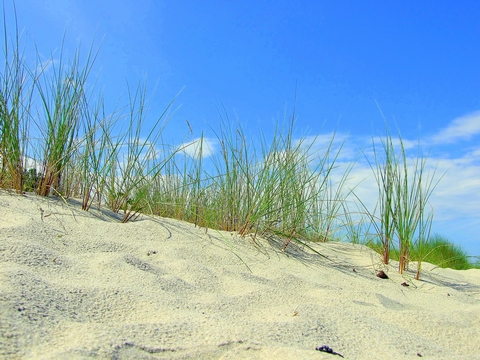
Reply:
x=324, y=348
x=327, y=349
x=381, y=274
x=405, y=284
x=419, y=355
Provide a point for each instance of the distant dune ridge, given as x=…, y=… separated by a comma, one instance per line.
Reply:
x=78, y=285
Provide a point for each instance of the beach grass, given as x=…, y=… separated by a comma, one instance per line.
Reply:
x=15, y=112
x=402, y=215
x=58, y=139
x=438, y=250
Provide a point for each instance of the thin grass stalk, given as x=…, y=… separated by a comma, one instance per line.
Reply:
x=15, y=105
x=385, y=176
x=406, y=208
x=139, y=166
x=234, y=184
x=98, y=153
x=332, y=196
x=265, y=186
x=89, y=163
x=425, y=189
x=382, y=216
x=196, y=183
x=425, y=227
x=356, y=224
x=412, y=198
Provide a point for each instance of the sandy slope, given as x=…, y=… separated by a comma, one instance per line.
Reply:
x=81, y=285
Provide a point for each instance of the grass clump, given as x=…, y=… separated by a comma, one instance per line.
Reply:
x=438, y=251
x=63, y=101
x=15, y=113
x=443, y=253
x=404, y=186
x=279, y=190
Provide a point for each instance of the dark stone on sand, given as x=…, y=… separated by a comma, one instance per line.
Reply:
x=381, y=274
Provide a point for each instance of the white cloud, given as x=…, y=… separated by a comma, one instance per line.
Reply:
x=193, y=148
x=30, y=163
x=45, y=66
x=458, y=193
x=333, y=143
x=397, y=143
x=461, y=128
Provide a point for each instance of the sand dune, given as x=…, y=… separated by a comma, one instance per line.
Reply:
x=78, y=285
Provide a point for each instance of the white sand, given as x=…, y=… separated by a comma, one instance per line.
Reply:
x=81, y=285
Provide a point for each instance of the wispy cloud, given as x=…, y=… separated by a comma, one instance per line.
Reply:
x=458, y=193
x=396, y=142
x=204, y=147
x=333, y=143
x=45, y=66
x=461, y=128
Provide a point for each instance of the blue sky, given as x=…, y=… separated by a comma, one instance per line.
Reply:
x=416, y=61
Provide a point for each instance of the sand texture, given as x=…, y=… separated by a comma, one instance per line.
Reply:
x=81, y=285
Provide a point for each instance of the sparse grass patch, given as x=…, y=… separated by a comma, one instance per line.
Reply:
x=438, y=251
x=443, y=253
x=64, y=103
x=15, y=112
x=404, y=187
x=287, y=186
